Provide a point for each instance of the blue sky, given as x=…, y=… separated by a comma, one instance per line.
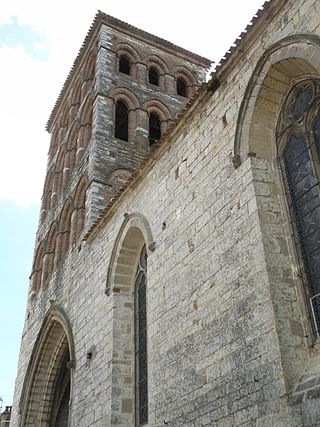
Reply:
x=14, y=34
x=17, y=230
x=38, y=43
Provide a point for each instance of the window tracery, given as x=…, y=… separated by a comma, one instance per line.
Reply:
x=299, y=137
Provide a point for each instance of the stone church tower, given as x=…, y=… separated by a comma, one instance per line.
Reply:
x=176, y=276
x=124, y=91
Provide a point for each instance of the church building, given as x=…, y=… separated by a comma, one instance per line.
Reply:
x=176, y=271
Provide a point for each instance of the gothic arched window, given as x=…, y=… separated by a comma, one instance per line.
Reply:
x=121, y=121
x=141, y=359
x=299, y=135
x=154, y=129
x=153, y=76
x=124, y=65
x=182, y=87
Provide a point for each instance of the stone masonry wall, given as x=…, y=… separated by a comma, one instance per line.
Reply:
x=215, y=344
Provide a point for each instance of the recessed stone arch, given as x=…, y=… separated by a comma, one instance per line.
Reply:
x=47, y=388
x=134, y=220
x=133, y=238
x=288, y=60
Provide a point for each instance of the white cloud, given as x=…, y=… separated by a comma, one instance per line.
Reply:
x=29, y=87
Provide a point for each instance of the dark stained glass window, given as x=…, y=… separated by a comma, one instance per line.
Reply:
x=124, y=65
x=141, y=360
x=182, y=88
x=300, y=157
x=153, y=76
x=154, y=129
x=121, y=121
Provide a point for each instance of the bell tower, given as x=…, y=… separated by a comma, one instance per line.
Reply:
x=123, y=92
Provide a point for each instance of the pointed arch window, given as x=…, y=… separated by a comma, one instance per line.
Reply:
x=182, y=89
x=153, y=76
x=141, y=359
x=154, y=129
x=299, y=134
x=124, y=65
x=121, y=121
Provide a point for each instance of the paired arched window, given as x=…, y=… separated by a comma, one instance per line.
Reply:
x=140, y=341
x=299, y=137
x=121, y=121
x=153, y=76
x=182, y=88
x=154, y=129
x=124, y=65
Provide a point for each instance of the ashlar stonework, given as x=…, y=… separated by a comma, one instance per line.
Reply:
x=217, y=324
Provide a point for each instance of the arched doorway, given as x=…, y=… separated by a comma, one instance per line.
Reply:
x=45, y=398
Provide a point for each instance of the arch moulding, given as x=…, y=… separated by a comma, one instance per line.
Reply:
x=301, y=54
x=132, y=220
x=54, y=315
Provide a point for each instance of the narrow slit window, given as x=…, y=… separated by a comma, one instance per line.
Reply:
x=124, y=65
x=182, y=88
x=154, y=129
x=121, y=121
x=153, y=76
x=141, y=359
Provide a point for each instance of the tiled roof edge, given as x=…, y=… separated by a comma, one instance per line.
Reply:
x=235, y=48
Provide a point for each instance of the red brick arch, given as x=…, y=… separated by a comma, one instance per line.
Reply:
x=84, y=133
x=53, y=144
x=75, y=98
x=132, y=103
x=63, y=234
x=36, y=275
x=46, y=196
x=159, y=109
x=77, y=221
x=154, y=61
x=188, y=77
x=124, y=49
x=72, y=147
x=49, y=253
x=58, y=175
